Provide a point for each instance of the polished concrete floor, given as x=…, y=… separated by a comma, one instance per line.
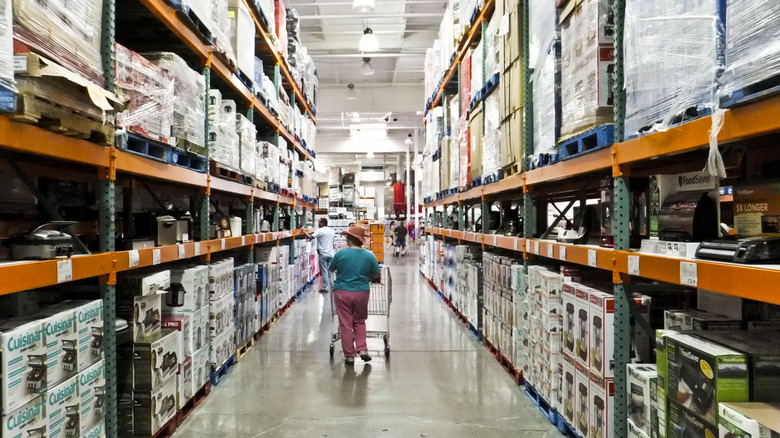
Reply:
x=439, y=382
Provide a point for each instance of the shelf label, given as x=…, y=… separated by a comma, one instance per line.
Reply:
x=527, y=246
x=592, y=258
x=550, y=250
x=64, y=270
x=181, y=251
x=222, y=243
x=633, y=265
x=562, y=253
x=495, y=240
x=517, y=241
x=257, y=238
x=134, y=258
x=536, y=248
x=156, y=256
x=197, y=249
x=243, y=240
x=689, y=275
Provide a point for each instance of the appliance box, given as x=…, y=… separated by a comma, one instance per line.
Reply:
x=140, y=284
x=62, y=343
x=602, y=406
x=749, y=420
x=635, y=432
x=23, y=355
x=142, y=313
x=89, y=324
x=33, y=420
x=92, y=391
x=696, y=320
x=63, y=409
x=684, y=423
x=195, y=284
x=153, y=409
x=757, y=209
x=583, y=326
x=570, y=319
x=641, y=386
x=182, y=324
x=156, y=360
x=185, y=384
x=602, y=315
x=569, y=389
x=582, y=384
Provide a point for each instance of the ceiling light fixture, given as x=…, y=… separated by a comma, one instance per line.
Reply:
x=351, y=93
x=367, y=69
x=370, y=154
x=363, y=6
x=368, y=42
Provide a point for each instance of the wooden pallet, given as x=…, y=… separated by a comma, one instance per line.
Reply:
x=244, y=349
x=750, y=93
x=193, y=403
x=37, y=110
x=512, y=169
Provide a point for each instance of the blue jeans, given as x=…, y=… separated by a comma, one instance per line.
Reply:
x=324, y=263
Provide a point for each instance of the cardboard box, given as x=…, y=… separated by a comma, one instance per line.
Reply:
x=153, y=409
x=92, y=392
x=222, y=347
x=658, y=411
x=696, y=320
x=185, y=386
x=28, y=420
x=602, y=406
x=142, y=284
x=602, y=345
x=570, y=320
x=511, y=138
x=62, y=344
x=220, y=314
x=142, y=313
x=685, y=424
x=641, y=387
x=63, y=410
x=661, y=361
x=89, y=324
x=569, y=389
x=23, y=358
x=200, y=328
x=635, y=431
x=194, y=280
x=583, y=325
x=201, y=368
x=156, y=360
x=749, y=420
x=702, y=374
x=476, y=123
x=98, y=431
x=583, y=401
x=221, y=279
x=757, y=209
x=182, y=324
x=736, y=307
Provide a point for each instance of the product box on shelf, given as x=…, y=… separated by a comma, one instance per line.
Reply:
x=242, y=37
x=583, y=402
x=63, y=409
x=602, y=335
x=24, y=359
x=89, y=325
x=756, y=209
x=201, y=367
x=98, y=431
x=602, y=406
x=570, y=320
x=185, y=385
x=62, y=343
x=153, y=409
x=221, y=279
x=220, y=315
x=749, y=420
x=156, y=360
x=583, y=327
x=658, y=411
x=635, y=431
x=183, y=324
x=476, y=133
x=222, y=347
x=195, y=282
x=27, y=420
x=142, y=313
x=688, y=320
x=683, y=423
x=700, y=374
x=92, y=391
x=641, y=385
x=569, y=389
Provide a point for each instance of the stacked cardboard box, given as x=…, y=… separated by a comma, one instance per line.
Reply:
x=223, y=134
x=509, y=48
x=544, y=59
x=221, y=311
x=245, y=291
x=499, y=295
x=247, y=145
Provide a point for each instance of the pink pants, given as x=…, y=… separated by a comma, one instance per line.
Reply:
x=352, y=308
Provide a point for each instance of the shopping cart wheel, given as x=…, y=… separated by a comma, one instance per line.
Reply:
x=387, y=352
x=332, y=349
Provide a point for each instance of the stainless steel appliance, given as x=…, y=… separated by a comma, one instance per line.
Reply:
x=688, y=217
x=757, y=249
x=44, y=242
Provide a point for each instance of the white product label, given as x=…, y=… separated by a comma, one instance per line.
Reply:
x=562, y=253
x=20, y=63
x=257, y=238
x=243, y=240
x=197, y=249
x=527, y=246
x=633, y=265
x=181, y=251
x=550, y=250
x=64, y=270
x=536, y=248
x=592, y=258
x=134, y=258
x=517, y=242
x=156, y=256
x=688, y=274
x=495, y=240
x=222, y=243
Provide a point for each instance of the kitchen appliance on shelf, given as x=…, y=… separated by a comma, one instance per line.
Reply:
x=764, y=248
x=688, y=217
x=638, y=212
x=171, y=230
x=43, y=242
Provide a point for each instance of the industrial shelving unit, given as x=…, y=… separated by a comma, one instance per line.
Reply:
x=682, y=146
x=49, y=153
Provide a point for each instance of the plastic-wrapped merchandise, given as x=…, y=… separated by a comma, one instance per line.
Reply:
x=271, y=155
x=261, y=168
x=477, y=64
x=429, y=80
x=280, y=15
x=6, y=46
x=673, y=56
x=223, y=136
x=463, y=150
x=454, y=153
x=587, y=67
x=752, y=43
x=446, y=40
x=242, y=37
x=151, y=94
x=491, y=139
x=542, y=60
x=220, y=29
x=68, y=32
x=247, y=144
x=492, y=41
x=189, y=89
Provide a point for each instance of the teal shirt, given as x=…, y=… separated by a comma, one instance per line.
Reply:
x=353, y=267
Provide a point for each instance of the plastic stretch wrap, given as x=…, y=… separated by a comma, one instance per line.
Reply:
x=752, y=43
x=673, y=55
x=491, y=139
x=463, y=151
x=223, y=137
x=271, y=154
x=458, y=131
x=150, y=91
x=466, y=9
x=261, y=168
x=587, y=67
x=477, y=66
x=189, y=89
x=446, y=40
x=6, y=45
x=247, y=144
x=68, y=31
x=220, y=29
x=430, y=80
x=242, y=36
x=542, y=59
x=492, y=41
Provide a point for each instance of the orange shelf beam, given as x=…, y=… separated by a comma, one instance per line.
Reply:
x=22, y=276
x=138, y=165
x=21, y=137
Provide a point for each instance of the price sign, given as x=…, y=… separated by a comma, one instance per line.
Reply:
x=222, y=243
x=181, y=251
x=562, y=253
x=536, y=248
x=550, y=250
x=527, y=246
x=134, y=258
x=156, y=256
x=516, y=243
x=64, y=270
x=495, y=240
x=689, y=275
x=633, y=265
x=197, y=249
x=592, y=258
x=243, y=240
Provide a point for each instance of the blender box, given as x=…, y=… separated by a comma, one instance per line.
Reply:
x=28, y=420
x=700, y=374
x=749, y=420
x=185, y=386
x=92, y=391
x=569, y=398
x=156, y=360
x=195, y=289
x=62, y=343
x=23, y=355
x=182, y=324
x=63, y=409
x=582, y=387
x=635, y=431
x=685, y=424
x=153, y=409
x=602, y=316
x=582, y=321
x=641, y=388
x=201, y=367
x=696, y=320
x=142, y=283
x=89, y=324
x=220, y=314
x=142, y=313
x=602, y=406
x=658, y=411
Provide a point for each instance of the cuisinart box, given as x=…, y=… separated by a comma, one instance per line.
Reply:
x=63, y=409
x=23, y=355
x=701, y=374
x=89, y=323
x=62, y=343
x=153, y=409
x=29, y=420
x=749, y=420
x=156, y=360
x=641, y=386
x=92, y=390
x=757, y=209
x=142, y=313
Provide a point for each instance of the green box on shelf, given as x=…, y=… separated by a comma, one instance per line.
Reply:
x=683, y=423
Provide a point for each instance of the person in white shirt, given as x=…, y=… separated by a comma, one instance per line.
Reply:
x=325, y=237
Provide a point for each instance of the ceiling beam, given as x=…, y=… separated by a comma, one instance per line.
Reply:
x=349, y=16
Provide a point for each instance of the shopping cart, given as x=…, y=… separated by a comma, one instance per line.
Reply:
x=379, y=299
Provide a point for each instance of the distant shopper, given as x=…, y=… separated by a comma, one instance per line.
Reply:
x=355, y=267
x=400, y=238
x=325, y=237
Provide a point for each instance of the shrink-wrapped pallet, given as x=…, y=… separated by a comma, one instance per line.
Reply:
x=150, y=91
x=544, y=39
x=242, y=37
x=247, y=143
x=189, y=89
x=223, y=137
x=491, y=139
x=6, y=46
x=220, y=29
x=673, y=56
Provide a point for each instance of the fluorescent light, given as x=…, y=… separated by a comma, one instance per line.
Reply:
x=367, y=69
x=363, y=6
x=368, y=42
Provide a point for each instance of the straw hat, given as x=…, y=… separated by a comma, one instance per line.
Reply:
x=357, y=232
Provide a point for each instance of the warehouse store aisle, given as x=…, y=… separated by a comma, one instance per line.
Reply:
x=439, y=382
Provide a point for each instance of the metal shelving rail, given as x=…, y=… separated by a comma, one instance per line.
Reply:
x=747, y=281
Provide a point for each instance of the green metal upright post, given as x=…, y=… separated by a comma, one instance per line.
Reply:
x=485, y=216
x=275, y=226
x=461, y=217
x=529, y=219
x=445, y=221
x=205, y=221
